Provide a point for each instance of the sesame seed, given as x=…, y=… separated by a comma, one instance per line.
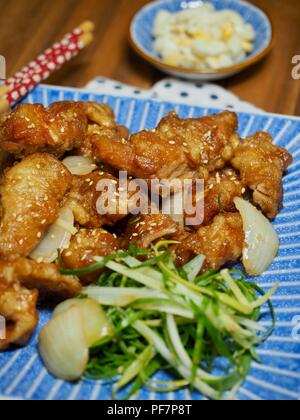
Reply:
x=39, y=235
x=172, y=142
x=68, y=254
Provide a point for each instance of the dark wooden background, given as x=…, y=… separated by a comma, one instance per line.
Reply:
x=27, y=27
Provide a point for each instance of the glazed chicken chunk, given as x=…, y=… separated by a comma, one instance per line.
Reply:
x=97, y=200
x=87, y=244
x=41, y=276
x=206, y=140
x=221, y=190
x=18, y=307
x=177, y=148
x=220, y=242
x=58, y=129
x=261, y=165
x=32, y=192
x=145, y=230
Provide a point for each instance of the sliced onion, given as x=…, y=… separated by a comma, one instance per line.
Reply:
x=57, y=237
x=96, y=325
x=64, y=342
x=79, y=165
x=261, y=240
x=63, y=345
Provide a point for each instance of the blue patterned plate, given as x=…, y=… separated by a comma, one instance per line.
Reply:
x=141, y=39
x=22, y=374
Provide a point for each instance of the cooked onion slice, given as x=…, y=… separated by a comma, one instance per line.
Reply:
x=63, y=345
x=79, y=165
x=95, y=322
x=64, y=342
x=57, y=237
x=261, y=239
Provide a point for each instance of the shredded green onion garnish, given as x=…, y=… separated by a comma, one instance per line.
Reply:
x=203, y=330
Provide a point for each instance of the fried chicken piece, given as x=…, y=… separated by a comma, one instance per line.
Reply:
x=58, y=129
x=145, y=230
x=177, y=148
x=90, y=208
x=206, y=140
x=32, y=192
x=221, y=242
x=146, y=155
x=261, y=165
x=219, y=195
x=18, y=307
x=87, y=244
x=43, y=277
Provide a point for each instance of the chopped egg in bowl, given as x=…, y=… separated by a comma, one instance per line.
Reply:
x=201, y=40
x=202, y=37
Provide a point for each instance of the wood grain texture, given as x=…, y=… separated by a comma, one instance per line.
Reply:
x=28, y=27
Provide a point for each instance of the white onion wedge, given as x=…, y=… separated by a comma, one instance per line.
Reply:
x=57, y=237
x=63, y=345
x=64, y=342
x=95, y=322
x=79, y=165
x=261, y=240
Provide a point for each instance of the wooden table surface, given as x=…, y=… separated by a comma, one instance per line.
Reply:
x=27, y=27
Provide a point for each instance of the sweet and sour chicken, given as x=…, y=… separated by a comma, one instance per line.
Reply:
x=36, y=185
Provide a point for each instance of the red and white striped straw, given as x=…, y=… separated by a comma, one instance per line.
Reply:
x=47, y=63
